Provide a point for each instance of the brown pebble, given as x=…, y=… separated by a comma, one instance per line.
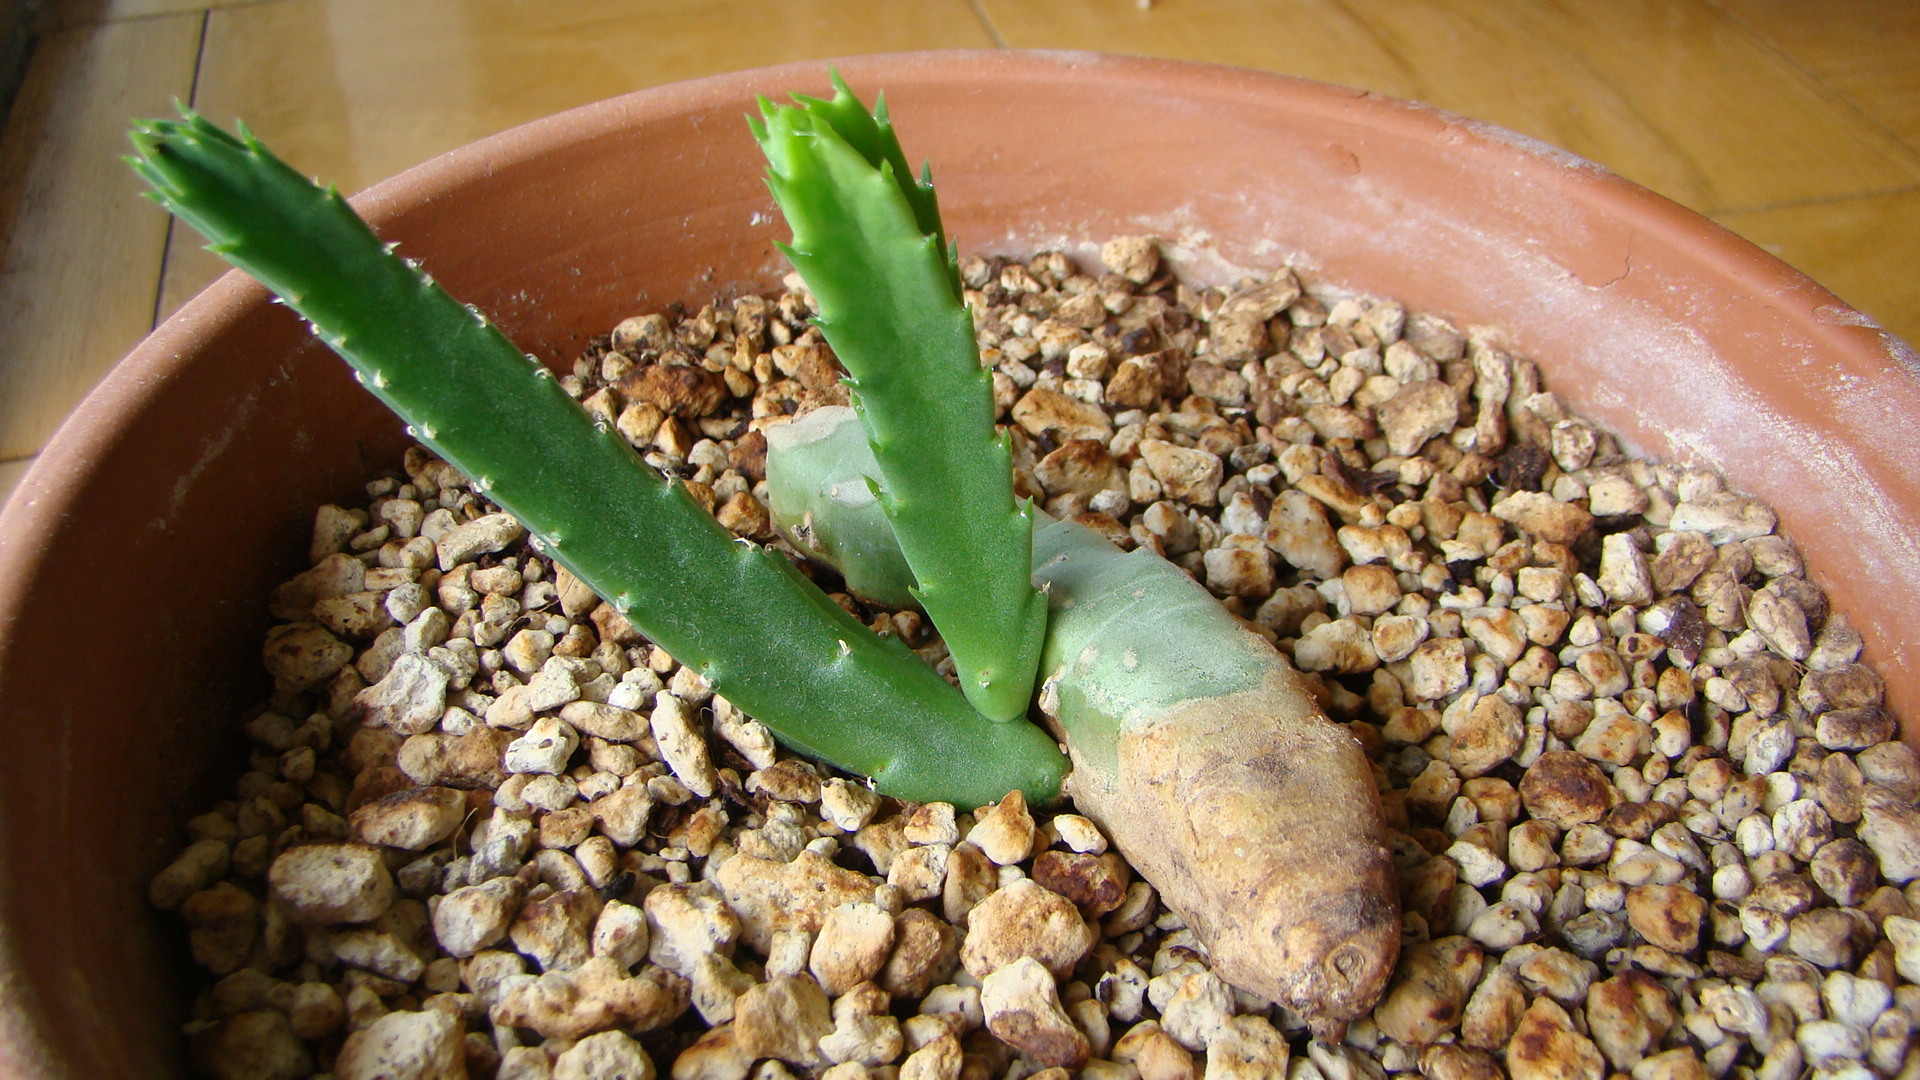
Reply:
x=1566, y=789
x=1545, y=1046
x=1094, y=883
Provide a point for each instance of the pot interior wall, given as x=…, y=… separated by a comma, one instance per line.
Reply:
x=132, y=642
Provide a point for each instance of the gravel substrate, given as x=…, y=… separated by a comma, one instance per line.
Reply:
x=1647, y=817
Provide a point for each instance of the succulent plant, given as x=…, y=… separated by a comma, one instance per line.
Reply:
x=1193, y=741
x=741, y=615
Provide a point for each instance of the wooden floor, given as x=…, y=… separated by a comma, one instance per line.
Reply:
x=1794, y=122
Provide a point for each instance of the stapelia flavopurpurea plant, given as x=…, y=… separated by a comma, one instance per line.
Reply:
x=752, y=625
x=1192, y=740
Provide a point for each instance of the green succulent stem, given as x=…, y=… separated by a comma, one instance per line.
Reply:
x=820, y=496
x=742, y=616
x=1132, y=636
x=868, y=242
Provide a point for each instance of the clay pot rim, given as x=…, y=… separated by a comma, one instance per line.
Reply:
x=66, y=464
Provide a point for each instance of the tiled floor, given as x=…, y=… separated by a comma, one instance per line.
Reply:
x=1795, y=123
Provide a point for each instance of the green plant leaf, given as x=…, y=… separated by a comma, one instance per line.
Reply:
x=742, y=616
x=868, y=242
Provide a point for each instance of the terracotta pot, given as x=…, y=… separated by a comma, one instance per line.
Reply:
x=135, y=556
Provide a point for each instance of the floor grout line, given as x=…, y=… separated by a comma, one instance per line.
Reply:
x=980, y=12
x=1766, y=41
x=199, y=58
x=173, y=223
x=1823, y=200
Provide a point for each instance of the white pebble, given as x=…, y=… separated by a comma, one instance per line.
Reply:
x=545, y=747
x=682, y=745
